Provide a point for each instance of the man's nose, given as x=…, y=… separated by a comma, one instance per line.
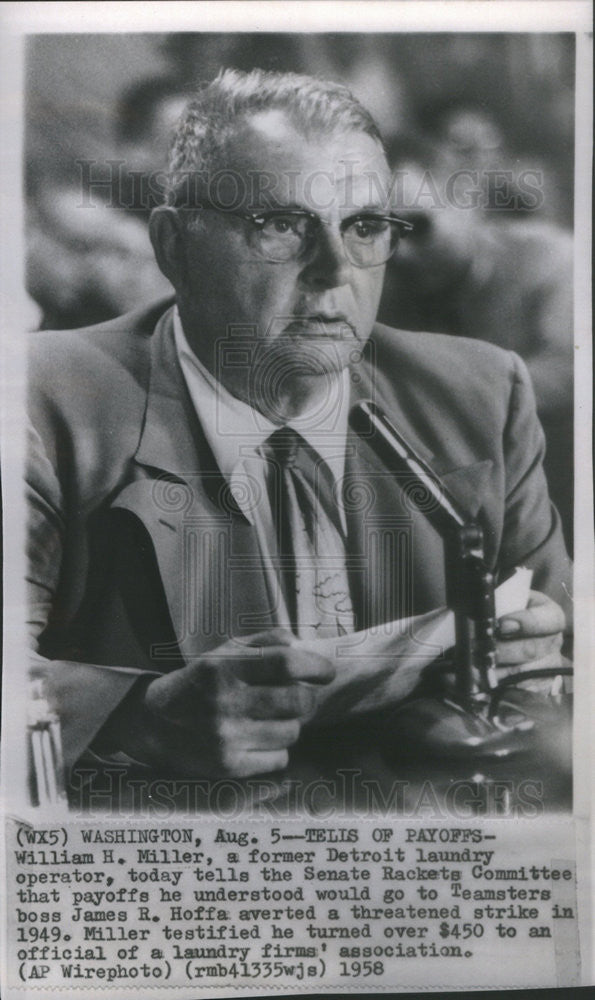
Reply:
x=329, y=266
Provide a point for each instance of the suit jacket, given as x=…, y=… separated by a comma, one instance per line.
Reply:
x=139, y=559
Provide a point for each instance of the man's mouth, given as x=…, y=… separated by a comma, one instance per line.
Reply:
x=335, y=325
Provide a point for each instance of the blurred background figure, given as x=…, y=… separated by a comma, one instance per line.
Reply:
x=87, y=264
x=146, y=115
x=468, y=140
x=464, y=272
x=90, y=256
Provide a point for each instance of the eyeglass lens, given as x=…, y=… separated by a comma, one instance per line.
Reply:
x=368, y=241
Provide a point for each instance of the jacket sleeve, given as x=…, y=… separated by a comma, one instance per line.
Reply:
x=532, y=534
x=83, y=694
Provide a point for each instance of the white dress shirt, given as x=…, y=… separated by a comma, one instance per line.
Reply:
x=235, y=430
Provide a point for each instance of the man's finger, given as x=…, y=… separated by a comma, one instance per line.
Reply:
x=528, y=650
x=244, y=763
x=272, y=637
x=554, y=661
x=542, y=617
x=272, y=701
x=250, y=735
x=283, y=666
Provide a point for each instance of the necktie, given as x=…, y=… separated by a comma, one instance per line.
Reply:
x=309, y=537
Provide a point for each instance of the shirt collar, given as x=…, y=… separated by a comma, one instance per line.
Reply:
x=234, y=429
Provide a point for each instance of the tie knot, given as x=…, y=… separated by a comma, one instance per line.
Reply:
x=284, y=445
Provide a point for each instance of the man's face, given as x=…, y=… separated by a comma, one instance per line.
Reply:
x=311, y=314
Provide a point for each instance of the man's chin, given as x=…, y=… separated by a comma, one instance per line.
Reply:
x=315, y=355
x=328, y=346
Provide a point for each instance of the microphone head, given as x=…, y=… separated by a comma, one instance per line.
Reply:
x=371, y=424
x=360, y=417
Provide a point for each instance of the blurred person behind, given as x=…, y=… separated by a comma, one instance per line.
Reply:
x=469, y=137
x=510, y=282
x=145, y=119
x=89, y=253
x=86, y=261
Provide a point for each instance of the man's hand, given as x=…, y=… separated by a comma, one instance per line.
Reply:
x=531, y=639
x=229, y=714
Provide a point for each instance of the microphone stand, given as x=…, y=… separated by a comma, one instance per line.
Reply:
x=478, y=721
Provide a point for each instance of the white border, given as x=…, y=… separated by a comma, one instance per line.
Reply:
x=296, y=15
x=458, y=16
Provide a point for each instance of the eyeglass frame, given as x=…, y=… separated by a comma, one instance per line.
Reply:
x=260, y=218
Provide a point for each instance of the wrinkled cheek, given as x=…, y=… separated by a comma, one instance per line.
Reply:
x=269, y=306
x=368, y=300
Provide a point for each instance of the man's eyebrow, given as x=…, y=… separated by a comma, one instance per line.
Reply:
x=272, y=205
x=372, y=208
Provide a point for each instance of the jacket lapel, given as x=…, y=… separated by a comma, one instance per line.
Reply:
x=396, y=556
x=206, y=551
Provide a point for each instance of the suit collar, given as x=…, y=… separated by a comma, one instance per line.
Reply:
x=466, y=481
x=172, y=437
x=171, y=430
x=169, y=434
x=368, y=382
x=235, y=429
x=172, y=440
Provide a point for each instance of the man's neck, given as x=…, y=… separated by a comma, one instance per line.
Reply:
x=279, y=399
x=297, y=400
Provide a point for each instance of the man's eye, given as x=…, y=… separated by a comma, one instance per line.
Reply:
x=282, y=225
x=366, y=229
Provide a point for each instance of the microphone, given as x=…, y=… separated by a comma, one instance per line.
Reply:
x=478, y=720
x=481, y=719
x=418, y=481
x=461, y=723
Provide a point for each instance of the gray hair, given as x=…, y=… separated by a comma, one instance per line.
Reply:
x=210, y=118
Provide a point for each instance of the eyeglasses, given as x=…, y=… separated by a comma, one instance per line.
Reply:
x=281, y=235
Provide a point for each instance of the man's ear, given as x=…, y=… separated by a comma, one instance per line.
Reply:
x=165, y=230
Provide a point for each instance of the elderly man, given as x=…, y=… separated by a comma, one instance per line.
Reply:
x=198, y=500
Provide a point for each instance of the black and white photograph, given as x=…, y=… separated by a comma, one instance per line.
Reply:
x=296, y=471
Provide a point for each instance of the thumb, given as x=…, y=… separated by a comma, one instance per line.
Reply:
x=271, y=637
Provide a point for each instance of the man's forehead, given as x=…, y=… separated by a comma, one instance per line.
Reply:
x=283, y=164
